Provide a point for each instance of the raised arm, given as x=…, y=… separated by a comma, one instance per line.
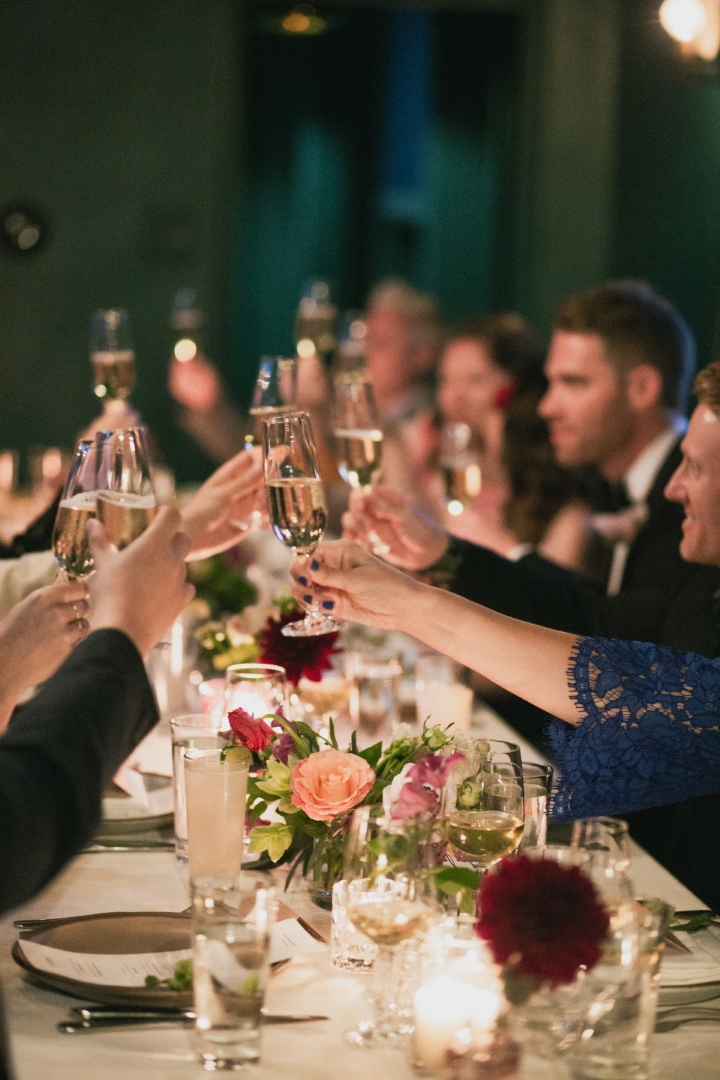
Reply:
x=530, y=661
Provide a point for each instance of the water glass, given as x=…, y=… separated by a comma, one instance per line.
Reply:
x=374, y=704
x=215, y=792
x=537, y=784
x=608, y=836
x=257, y=688
x=231, y=949
x=349, y=949
x=441, y=696
x=196, y=731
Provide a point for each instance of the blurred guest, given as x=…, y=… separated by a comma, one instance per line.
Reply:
x=491, y=382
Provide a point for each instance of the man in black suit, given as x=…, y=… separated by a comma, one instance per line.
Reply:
x=619, y=370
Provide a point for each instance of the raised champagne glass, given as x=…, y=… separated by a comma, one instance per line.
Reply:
x=484, y=811
x=315, y=322
x=358, y=434
x=275, y=391
x=126, y=502
x=460, y=467
x=77, y=505
x=296, y=501
x=113, y=359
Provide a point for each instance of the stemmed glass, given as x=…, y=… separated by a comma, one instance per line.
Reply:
x=112, y=357
x=460, y=467
x=77, y=506
x=296, y=501
x=357, y=433
x=315, y=322
x=392, y=898
x=275, y=391
x=484, y=811
x=126, y=502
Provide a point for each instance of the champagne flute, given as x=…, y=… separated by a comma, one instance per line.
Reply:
x=77, y=505
x=315, y=322
x=392, y=898
x=113, y=357
x=296, y=501
x=460, y=468
x=357, y=433
x=126, y=502
x=275, y=391
x=484, y=812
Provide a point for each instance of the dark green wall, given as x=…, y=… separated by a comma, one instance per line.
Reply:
x=668, y=179
x=119, y=120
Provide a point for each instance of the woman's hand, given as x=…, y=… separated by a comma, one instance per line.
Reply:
x=37, y=636
x=387, y=519
x=142, y=589
x=219, y=513
x=349, y=583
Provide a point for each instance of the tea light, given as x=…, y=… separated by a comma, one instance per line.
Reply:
x=445, y=703
x=444, y=1007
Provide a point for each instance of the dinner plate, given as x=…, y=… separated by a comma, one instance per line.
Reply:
x=134, y=934
x=687, y=995
x=123, y=816
x=117, y=933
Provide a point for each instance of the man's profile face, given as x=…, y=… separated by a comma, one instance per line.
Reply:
x=696, y=485
x=585, y=405
x=388, y=351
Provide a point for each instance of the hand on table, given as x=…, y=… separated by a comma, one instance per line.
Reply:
x=349, y=583
x=406, y=538
x=219, y=513
x=37, y=636
x=142, y=589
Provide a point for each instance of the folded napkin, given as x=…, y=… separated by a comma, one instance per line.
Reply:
x=703, y=966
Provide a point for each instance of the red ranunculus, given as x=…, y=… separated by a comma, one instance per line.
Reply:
x=300, y=656
x=546, y=920
x=255, y=734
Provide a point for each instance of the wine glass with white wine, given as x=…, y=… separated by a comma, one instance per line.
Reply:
x=358, y=435
x=275, y=391
x=126, y=502
x=296, y=501
x=392, y=898
x=484, y=812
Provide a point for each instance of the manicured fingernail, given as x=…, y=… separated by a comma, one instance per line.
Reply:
x=314, y=565
x=302, y=580
x=307, y=599
x=328, y=604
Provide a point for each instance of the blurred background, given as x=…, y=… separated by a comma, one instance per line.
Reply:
x=497, y=154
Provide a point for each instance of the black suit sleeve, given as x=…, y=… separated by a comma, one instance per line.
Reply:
x=58, y=756
x=37, y=536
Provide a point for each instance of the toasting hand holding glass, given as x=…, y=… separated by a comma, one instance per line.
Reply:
x=296, y=501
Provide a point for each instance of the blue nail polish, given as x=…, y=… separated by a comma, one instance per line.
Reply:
x=302, y=580
x=314, y=565
x=307, y=599
x=328, y=604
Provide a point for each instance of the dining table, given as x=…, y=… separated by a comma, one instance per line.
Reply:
x=153, y=880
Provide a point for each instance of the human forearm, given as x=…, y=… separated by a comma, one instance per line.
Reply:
x=530, y=661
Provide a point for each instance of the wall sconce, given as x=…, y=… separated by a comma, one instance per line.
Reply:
x=695, y=24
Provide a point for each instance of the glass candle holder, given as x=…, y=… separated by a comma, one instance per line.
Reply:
x=257, y=688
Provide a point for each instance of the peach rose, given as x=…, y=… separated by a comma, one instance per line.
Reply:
x=330, y=783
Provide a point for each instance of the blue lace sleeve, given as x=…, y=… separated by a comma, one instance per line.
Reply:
x=651, y=732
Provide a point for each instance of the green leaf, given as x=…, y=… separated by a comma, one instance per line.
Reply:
x=698, y=922
x=278, y=782
x=257, y=810
x=372, y=754
x=452, y=878
x=331, y=729
x=286, y=807
x=275, y=839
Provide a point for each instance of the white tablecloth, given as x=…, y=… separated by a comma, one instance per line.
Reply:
x=152, y=881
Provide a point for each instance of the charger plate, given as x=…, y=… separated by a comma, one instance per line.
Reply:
x=120, y=933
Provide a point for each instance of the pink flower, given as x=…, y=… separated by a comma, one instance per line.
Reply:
x=255, y=734
x=414, y=800
x=435, y=769
x=330, y=783
x=420, y=792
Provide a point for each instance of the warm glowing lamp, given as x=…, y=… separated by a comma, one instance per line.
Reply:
x=695, y=24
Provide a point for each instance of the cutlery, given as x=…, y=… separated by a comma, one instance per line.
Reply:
x=90, y=1019
x=34, y=924
x=129, y=845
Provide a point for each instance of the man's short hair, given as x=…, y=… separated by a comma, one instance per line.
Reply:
x=637, y=327
x=706, y=387
x=421, y=310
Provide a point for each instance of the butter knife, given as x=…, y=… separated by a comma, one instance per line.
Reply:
x=93, y=1018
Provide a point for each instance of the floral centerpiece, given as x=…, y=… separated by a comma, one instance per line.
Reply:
x=314, y=786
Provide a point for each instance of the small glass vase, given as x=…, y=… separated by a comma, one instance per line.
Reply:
x=326, y=863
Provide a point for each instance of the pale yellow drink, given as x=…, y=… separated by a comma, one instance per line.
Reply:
x=215, y=793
